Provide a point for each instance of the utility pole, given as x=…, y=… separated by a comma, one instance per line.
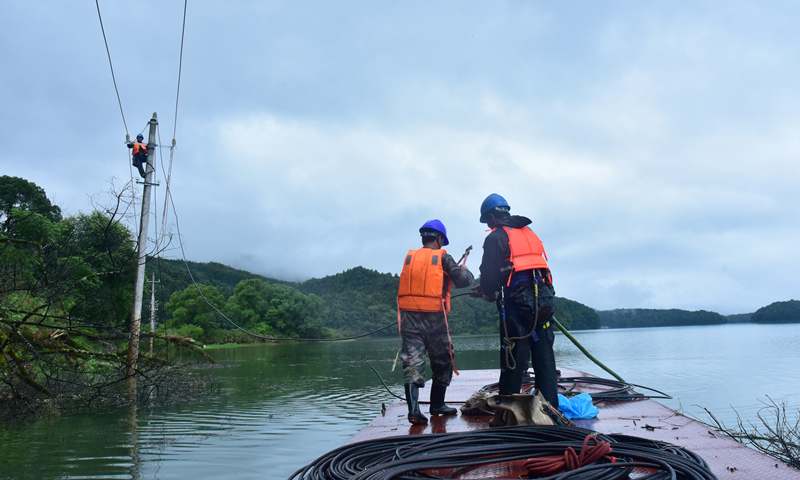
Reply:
x=136, y=316
x=153, y=309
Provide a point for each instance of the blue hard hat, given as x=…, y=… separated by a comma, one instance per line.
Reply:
x=493, y=201
x=434, y=227
x=140, y=136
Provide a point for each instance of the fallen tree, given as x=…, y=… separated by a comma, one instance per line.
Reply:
x=65, y=303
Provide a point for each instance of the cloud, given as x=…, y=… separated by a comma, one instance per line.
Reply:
x=652, y=145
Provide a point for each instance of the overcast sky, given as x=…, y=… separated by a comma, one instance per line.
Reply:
x=654, y=145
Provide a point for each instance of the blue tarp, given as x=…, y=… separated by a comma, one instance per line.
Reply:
x=579, y=406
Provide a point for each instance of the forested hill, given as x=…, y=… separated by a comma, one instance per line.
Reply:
x=174, y=276
x=778, y=312
x=739, y=318
x=352, y=302
x=645, y=317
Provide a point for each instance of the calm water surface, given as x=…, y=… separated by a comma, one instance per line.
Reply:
x=281, y=406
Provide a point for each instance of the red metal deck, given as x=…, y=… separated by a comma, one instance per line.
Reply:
x=642, y=418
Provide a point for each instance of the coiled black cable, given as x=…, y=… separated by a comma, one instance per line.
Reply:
x=619, y=391
x=454, y=454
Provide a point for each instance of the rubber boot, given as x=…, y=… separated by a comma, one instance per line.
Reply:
x=438, y=406
x=412, y=399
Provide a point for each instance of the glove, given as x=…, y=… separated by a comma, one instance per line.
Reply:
x=476, y=292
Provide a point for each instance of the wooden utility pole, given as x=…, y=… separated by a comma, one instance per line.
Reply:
x=153, y=309
x=136, y=316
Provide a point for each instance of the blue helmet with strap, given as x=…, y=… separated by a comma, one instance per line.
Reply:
x=434, y=228
x=140, y=136
x=493, y=203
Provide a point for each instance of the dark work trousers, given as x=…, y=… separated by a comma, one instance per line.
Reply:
x=139, y=161
x=518, y=308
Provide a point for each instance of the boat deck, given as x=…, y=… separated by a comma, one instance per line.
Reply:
x=649, y=419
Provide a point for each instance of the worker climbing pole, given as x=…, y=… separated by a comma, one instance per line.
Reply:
x=136, y=315
x=139, y=154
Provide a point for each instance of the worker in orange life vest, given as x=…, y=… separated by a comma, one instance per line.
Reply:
x=139, y=154
x=515, y=275
x=423, y=301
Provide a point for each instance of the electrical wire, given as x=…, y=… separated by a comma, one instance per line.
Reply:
x=186, y=262
x=180, y=67
x=619, y=391
x=155, y=191
x=387, y=386
x=168, y=197
x=452, y=455
x=108, y=51
x=168, y=175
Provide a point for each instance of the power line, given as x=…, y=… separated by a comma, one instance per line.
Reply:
x=97, y=2
x=168, y=196
x=186, y=262
x=180, y=67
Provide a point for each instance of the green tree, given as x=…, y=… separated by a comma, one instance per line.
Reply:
x=19, y=193
x=648, y=317
x=188, y=307
x=277, y=310
x=102, y=249
x=778, y=312
x=577, y=315
x=65, y=295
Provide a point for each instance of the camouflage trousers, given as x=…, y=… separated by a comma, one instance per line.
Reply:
x=425, y=334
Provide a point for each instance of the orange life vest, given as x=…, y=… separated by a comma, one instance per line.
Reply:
x=139, y=148
x=422, y=282
x=527, y=251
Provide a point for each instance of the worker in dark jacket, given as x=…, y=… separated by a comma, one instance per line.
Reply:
x=515, y=275
x=139, y=154
x=423, y=301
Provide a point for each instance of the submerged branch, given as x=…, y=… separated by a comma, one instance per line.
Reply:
x=775, y=435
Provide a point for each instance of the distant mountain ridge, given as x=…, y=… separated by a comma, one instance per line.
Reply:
x=357, y=300
x=360, y=299
x=647, y=317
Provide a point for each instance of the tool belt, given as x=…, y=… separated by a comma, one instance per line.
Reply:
x=538, y=275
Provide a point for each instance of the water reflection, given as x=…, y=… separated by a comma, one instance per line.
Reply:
x=281, y=406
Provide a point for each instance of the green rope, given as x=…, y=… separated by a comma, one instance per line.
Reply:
x=585, y=352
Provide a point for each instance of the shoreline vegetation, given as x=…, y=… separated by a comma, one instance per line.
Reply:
x=66, y=302
x=65, y=309
x=361, y=300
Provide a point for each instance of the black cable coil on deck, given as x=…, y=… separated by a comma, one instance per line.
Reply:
x=413, y=457
x=619, y=391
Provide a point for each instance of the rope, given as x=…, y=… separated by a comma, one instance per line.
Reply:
x=108, y=51
x=552, y=465
x=511, y=342
x=450, y=340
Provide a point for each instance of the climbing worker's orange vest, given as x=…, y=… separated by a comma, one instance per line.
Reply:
x=422, y=282
x=527, y=251
x=137, y=147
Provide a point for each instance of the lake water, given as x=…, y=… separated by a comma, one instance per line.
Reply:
x=282, y=406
